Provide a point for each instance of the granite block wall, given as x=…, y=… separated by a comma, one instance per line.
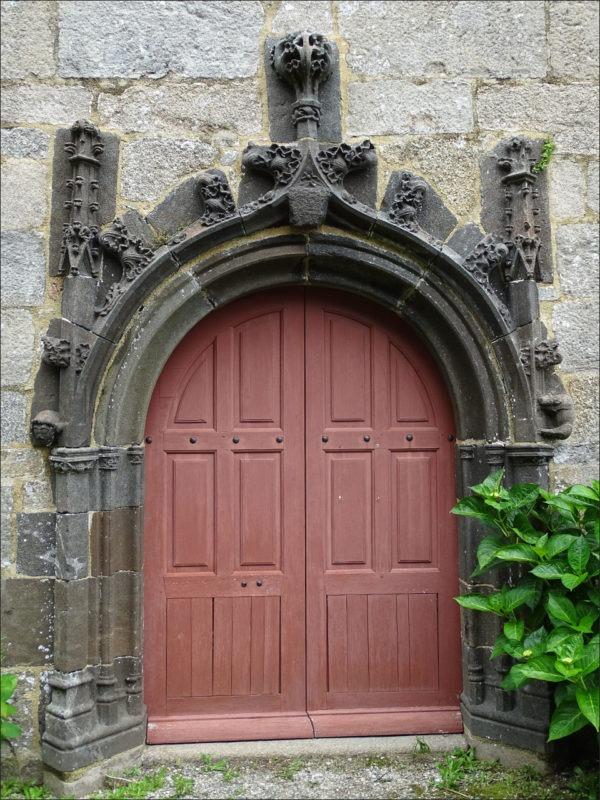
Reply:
x=435, y=85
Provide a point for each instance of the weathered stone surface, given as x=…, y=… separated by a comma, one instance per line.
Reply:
x=573, y=39
x=310, y=15
x=27, y=621
x=564, y=475
x=36, y=543
x=52, y=105
x=403, y=107
x=22, y=463
x=567, y=183
x=179, y=209
x=181, y=108
x=75, y=623
x=28, y=39
x=7, y=504
x=195, y=39
x=13, y=425
x=500, y=39
x=151, y=165
x=575, y=324
x=37, y=496
x=569, y=113
x=72, y=546
x=24, y=200
x=577, y=259
x=582, y=446
x=431, y=214
x=115, y=541
x=24, y=143
x=449, y=163
x=23, y=269
x=465, y=239
x=592, y=190
x=16, y=345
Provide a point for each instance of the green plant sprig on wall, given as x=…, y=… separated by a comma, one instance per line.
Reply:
x=551, y=607
x=8, y=730
x=548, y=149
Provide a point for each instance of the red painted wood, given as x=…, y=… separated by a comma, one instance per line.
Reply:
x=225, y=526
x=233, y=648
x=381, y=544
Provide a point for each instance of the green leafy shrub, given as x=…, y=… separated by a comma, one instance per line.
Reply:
x=550, y=603
x=8, y=730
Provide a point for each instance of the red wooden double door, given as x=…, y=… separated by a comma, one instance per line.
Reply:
x=300, y=558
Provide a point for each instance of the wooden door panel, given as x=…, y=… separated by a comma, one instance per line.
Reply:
x=349, y=494
x=413, y=498
x=381, y=544
x=225, y=527
x=259, y=511
x=192, y=507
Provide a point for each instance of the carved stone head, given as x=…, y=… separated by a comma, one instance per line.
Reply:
x=45, y=428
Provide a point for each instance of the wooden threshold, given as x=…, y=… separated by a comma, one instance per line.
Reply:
x=175, y=730
x=386, y=723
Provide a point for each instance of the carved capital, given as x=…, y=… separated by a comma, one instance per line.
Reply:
x=56, y=352
x=109, y=458
x=135, y=454
x=74, y=459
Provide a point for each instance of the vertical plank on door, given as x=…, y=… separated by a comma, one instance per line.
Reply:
x=179, y=654
x=272, y=645
x=257, y=654
x=423, y=615
x=337, y=643
x=241, y=632
x=403, y=626
x=383, y=644
x=222, y=645
x=202, y=646
x=358, y=637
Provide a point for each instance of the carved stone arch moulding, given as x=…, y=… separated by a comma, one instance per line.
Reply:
x=127, y=301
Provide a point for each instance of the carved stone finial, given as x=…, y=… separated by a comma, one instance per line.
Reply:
x=216, y=196
x=78, y=251
x=408, y=201
x=521, y=211
x=46, y=428
x=304, y=60
x=133, y=256
x=56, y=352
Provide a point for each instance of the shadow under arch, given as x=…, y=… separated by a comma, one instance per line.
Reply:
x=478, y=361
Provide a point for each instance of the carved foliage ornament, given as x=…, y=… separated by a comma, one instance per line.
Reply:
x=133, y=256
x=56, y=352
x=408, y=201
x=545, y=353
x=488, y=255
x=217, y=198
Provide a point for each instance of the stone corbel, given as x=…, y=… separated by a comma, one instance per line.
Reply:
x=46, y=427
